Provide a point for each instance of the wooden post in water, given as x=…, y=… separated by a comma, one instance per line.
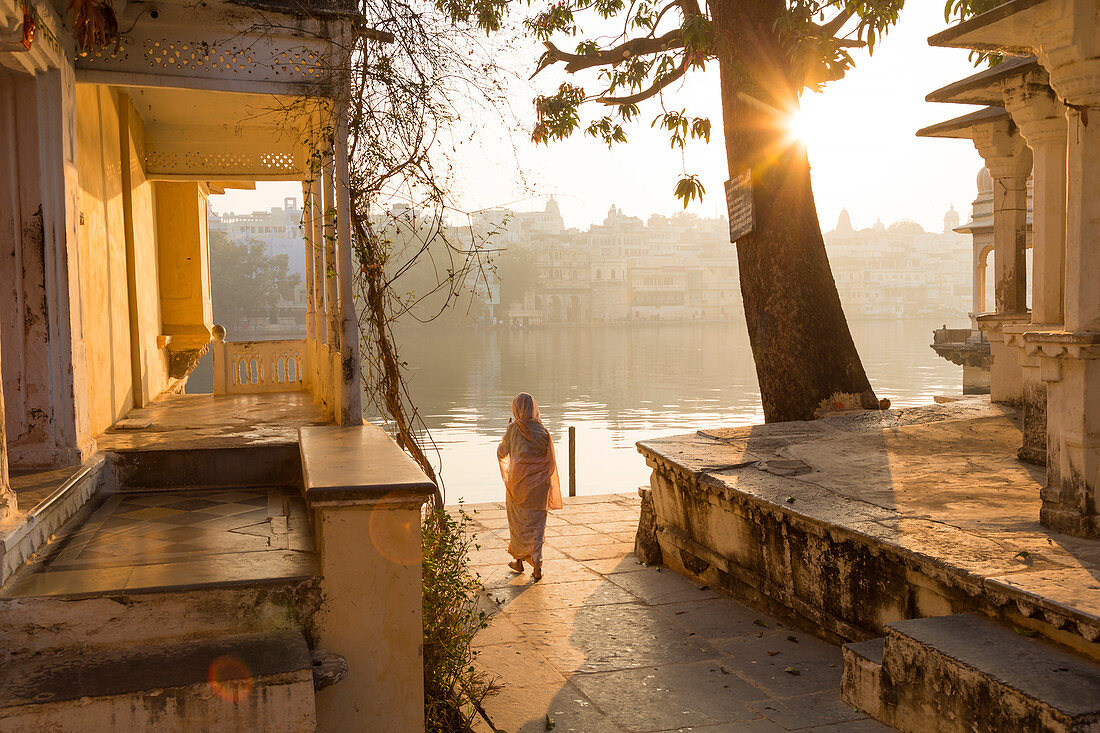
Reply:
x=572, y=461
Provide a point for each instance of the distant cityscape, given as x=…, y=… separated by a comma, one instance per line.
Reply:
x=678, y=268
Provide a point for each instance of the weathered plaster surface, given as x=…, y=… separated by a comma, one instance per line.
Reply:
x=366, y=495
x=149, y=361
x=33, y=436
x=857, y=520
x=184, y=262
x=102, y=273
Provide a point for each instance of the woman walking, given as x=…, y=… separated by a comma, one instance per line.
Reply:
x=530, y=473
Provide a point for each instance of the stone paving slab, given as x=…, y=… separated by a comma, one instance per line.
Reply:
x=604, y=644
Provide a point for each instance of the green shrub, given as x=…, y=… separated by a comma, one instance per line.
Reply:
x=453, y=688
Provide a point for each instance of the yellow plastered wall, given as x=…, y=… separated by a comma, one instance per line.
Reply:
x=145, y=298
x=184, y=261
x=102, y=245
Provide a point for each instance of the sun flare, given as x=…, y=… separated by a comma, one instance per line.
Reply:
x=799, y=127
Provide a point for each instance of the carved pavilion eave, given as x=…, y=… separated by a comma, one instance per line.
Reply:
x=986, y=87
x=224, y=46
x=194, y=135
x=1008, y=28
x=968, y=125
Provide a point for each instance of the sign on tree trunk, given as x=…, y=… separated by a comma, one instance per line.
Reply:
x=739, y=205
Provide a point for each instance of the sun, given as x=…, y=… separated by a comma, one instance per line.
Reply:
x=799, y=127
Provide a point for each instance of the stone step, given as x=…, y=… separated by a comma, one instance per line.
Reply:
x=197, y=468
x=47, y=623
x=260, y=682
x=966, y=673
x=862, y=680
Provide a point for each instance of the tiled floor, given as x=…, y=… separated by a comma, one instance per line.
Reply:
x=160, y=539
x=605, y=644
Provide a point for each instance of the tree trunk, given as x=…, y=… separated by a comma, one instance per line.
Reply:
x=806, y=361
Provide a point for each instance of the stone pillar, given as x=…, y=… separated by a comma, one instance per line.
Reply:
x=1071, y=357
x=1070, y=366
x=319, y=347
x=1010, y=170
x=1083, y=221
x=183, y=268
x=332, y=293
x=365, y=495
x=978, y=301
x=219, y=360
x=1009, y=162
x=351, y=409
x=1042, y=122
x=311, y=303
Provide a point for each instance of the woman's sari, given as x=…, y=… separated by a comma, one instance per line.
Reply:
x=530, y=472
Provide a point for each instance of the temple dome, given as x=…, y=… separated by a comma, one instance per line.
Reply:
x=879, y=226
x=950, y=220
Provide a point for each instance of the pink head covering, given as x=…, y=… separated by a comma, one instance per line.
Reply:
x=527, y=475
x=524, y=410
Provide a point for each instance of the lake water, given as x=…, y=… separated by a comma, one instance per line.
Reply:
x=617, y=384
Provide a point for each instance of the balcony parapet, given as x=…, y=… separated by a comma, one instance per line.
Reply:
x=257, y=366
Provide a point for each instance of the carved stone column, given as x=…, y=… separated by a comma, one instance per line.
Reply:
x=319, y=346
x=1008, y=159
x=332, y=293
x=977, y=306
x=350, y=402
x=1073, y=354
x=1042, y=122
x=311, y=293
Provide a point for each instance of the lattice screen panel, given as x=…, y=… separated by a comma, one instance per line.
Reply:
x=270, y=59
x=241, y=164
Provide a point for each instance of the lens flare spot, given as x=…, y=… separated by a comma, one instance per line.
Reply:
x=397, y=540
x=230, y=679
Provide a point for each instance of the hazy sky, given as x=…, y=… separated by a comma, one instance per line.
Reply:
x=859, y=133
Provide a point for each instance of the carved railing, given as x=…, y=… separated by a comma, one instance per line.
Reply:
x=257, y=366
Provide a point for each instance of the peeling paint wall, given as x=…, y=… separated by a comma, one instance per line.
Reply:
x=24, y=331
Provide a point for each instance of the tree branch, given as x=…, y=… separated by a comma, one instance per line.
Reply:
x=647, y=93
x=575, y=62
x=833, y=26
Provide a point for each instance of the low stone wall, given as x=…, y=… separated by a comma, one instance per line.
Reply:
x=734, y=519
x=841, y=585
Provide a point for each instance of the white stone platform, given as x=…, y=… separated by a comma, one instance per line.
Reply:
x=857, y=520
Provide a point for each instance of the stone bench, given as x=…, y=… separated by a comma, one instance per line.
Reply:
x=365, y=495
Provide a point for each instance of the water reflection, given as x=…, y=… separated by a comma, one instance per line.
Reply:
x=618, y=384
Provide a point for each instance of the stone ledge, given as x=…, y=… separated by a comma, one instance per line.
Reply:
x=852, y=522
x=31, y=530
x=359, y=465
